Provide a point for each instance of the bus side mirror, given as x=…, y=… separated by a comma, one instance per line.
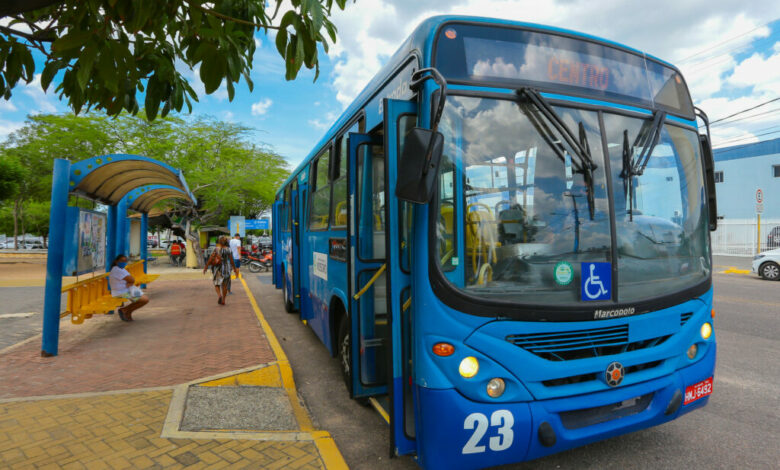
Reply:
x=708, y=162
x=419, y=165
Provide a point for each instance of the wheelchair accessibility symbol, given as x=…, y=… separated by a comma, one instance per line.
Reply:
x=596, y=281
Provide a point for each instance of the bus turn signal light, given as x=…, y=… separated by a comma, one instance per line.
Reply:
x=469, y=367
x=443, y=349
x=706, y=330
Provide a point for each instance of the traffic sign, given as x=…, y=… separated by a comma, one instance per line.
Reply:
x=759, y=207
x=759, y=196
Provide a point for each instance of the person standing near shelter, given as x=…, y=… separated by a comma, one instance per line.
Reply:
x=123, y=286
x=235, y=250
x=221, y=263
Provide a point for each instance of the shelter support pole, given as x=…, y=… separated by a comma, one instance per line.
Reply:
x=144, y=238
x=122, y=227
x=55, y=258
x=110, y=237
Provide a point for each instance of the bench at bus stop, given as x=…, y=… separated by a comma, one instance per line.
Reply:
x=93, y=296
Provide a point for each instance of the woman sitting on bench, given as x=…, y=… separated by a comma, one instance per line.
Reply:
x=123, y=286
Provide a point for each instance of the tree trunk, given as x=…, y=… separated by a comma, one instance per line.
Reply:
x=16, y=224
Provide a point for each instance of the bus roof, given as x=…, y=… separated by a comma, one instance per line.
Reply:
x=421, y=42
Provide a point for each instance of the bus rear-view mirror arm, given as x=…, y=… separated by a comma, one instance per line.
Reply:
x=422, y=148
x=708, y=163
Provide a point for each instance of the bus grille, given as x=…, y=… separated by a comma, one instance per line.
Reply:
x=684, y=317
x=581, y=344
x=588, y=417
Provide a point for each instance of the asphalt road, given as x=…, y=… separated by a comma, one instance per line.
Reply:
x=739, y=428
x=21, y=310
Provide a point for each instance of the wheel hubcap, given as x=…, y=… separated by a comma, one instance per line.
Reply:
x=771, y=272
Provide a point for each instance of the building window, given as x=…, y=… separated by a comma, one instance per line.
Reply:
x=776, y=170
x=719, y=176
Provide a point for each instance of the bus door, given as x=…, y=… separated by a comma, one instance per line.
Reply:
x=367, y=286
x=295, y=235
x=399, y=118
x=276, y=234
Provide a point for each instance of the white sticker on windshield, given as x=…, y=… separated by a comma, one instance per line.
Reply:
x=564, y=273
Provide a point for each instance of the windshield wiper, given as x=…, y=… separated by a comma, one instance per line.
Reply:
x=580, y=146
x=648, y=138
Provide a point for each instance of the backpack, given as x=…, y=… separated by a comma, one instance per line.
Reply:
x=215, y=259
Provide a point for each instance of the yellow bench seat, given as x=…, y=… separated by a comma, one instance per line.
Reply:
x=146, y=279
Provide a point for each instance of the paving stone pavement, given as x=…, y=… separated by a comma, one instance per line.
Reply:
x=122, y=431
x=180, y=336
x=106, y=399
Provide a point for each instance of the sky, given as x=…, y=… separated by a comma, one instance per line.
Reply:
x=728, y=51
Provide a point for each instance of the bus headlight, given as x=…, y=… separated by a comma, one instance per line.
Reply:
x=469, y=367
x=692, y=351
x=496, y=387
x=706, y=330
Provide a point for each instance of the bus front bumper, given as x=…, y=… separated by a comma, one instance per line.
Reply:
x=457, y=433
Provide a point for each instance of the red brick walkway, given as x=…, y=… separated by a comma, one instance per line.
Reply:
x=182, y=335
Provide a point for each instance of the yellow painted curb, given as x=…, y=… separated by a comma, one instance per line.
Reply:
x=304, y=422
x=265, y=377
x=329, y=452
x=734, y=270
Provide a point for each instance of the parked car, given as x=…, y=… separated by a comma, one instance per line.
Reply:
x=773, y=239
x=767, y=265
x=164, y=244
x=32, y=245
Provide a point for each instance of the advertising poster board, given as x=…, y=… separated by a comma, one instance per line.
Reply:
x=91, y=241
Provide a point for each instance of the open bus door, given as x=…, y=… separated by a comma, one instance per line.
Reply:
x=367, y=293
x=399, y=118
x=295, y=244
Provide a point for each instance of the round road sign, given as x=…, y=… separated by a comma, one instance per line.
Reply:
x=759, y=196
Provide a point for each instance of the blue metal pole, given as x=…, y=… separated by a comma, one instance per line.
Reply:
x=111, y=237
x=55, y=258
x=121, y=227
x=144, y=238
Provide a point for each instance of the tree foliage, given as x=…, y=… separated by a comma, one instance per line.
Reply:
x=227, y=172
x=111, y=51
x=12, y=174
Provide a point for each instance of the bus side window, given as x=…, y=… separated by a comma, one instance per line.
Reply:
x=319, y=213
x=286, y=213
x=371, y=172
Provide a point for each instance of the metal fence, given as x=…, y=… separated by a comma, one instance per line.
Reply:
x=741, y=237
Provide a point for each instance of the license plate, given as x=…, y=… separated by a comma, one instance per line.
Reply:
x=698, y=390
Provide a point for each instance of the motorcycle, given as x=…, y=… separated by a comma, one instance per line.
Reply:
x=263, y=261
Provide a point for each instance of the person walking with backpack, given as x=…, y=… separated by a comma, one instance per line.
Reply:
x=221, y=264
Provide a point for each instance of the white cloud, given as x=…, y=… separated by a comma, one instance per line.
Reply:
x=7, y=106
x=44, y=102
x=7, y=127
x=261, y=107
x=318, y=124
x=762, y=73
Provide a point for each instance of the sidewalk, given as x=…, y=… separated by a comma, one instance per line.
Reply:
x=188, y=383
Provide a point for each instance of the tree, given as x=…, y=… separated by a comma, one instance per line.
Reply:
x=11, y=176
x=110, y=51
x=226, y=171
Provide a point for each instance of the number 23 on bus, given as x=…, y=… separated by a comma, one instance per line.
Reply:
x=577, y=73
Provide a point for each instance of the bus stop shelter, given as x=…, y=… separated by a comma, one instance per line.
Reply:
x=82, y=241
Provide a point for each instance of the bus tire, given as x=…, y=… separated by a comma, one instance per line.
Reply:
x=289, y=307
x=344, y=355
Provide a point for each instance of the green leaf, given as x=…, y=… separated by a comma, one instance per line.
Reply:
x=85, y=65
x=212, y=70
x=72, y=40
x=230, y=89
x=281, y=41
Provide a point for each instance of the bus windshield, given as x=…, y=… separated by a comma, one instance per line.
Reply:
x=519, y=212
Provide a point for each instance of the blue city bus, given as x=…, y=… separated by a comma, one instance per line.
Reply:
x=505, y=242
